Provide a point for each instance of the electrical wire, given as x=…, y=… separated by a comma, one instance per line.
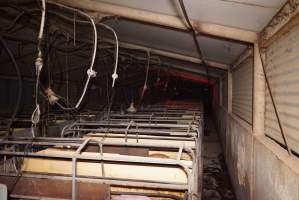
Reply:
x=67, y=79
x=12, y=25
x=20, y=90
x=90, y=72
x=35, y=117
x=114, y=75
x=43, y=19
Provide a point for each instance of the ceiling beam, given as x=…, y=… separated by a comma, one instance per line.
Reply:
x=284, y=20
x=246, y=54
x=168, y=54
x=252, y=4
x=163, y=20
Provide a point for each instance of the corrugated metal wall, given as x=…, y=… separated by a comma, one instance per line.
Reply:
x=282, y=65
x=224, y=91
x=242, y=90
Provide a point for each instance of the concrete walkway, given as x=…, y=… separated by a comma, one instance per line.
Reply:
x=216, y=182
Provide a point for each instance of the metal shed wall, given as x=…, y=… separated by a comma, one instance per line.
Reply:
x=282, y=66
x=224, y=91
x=242, y=90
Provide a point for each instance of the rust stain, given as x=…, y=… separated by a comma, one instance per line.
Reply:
x=50, y=188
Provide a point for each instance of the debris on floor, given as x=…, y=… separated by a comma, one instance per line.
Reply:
x=216, y=180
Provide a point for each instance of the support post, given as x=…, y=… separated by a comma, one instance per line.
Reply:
x=229, y=91
x=258, y=94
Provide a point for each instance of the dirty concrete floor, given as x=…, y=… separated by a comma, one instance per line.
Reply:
x=216, y=181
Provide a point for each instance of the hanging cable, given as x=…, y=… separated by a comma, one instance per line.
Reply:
x=67, y=78
x=146, y=75
x=12, y=25
x=114, y=75
x=90, y=72
x=74, y=24
x=182, y=5
x=20, y=90
x=35, y=117
x=111, y=100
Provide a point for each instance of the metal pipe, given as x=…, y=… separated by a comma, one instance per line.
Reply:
x=74, y=166
x=132, y=136
x=74, y=143
x=163, y=131
x=77, y=156
x=258, y=120
x=141, y=131
x=129, y=159
x=124, y=124
x=112, y=182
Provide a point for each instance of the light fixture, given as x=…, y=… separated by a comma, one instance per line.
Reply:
x=132, y=108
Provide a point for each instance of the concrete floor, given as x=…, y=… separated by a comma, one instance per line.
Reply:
x=216, y=183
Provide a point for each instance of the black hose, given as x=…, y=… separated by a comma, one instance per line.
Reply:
x=111, y=100
x=12, y=25
x=20, y=91
x=16, y=2
x=194, y=36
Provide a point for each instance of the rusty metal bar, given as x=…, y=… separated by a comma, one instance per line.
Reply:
x=74, y=166
x=113, y=182
x=76, y=142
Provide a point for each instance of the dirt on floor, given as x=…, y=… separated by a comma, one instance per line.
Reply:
x=216, y=180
